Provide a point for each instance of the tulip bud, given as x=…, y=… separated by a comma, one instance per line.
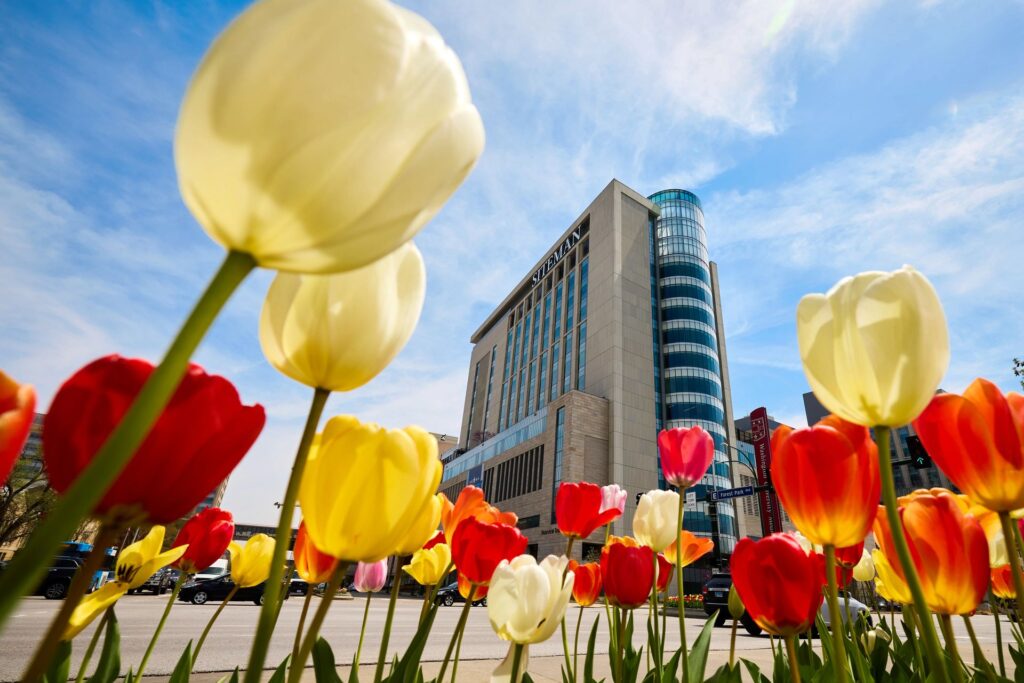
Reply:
x=370, y=577
x=736, y=608
x=875, y=637
x=655, y=523
x=864, y=570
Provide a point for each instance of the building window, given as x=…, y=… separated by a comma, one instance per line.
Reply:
x=570, y=299
x=581, y=358
x=584, y=268
x=547, y=321
x=521, y=404
x=555, y=357
x=518, y=476
x=511, y=402
x=472, y=406
x=535, y=331
x=543, y=387
x=533, y=387
x=559, y=448
x=567, y=369
x=557, y=334
x=490, y=386
x=526, y=345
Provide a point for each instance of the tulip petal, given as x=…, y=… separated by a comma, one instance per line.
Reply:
x=91, y=606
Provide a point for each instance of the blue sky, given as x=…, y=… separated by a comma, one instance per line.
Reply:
x=824, y=138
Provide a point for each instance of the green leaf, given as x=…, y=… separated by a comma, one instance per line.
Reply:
x=60, y=667
x=183, y=669
x=281, y=672
x=233, y=678
x=726, y=674
x=755, y=672
x=324, y=668
x=108, y=668
x=668, y=674
x=588, y=662
x=129, y=677
x=698, y=659
x=407, y=669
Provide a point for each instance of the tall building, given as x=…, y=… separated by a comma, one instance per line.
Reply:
x=613, y=334
x=904, y=447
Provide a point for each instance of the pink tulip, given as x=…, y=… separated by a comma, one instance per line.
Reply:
x=370, y=576
x=686, y=455
x=613, y=496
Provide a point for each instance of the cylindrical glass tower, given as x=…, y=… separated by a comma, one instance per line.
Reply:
x=690, y=391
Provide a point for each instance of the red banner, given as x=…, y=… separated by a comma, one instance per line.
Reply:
x=771, y=513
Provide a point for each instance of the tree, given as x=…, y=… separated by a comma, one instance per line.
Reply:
x=24, y=501
x=1018, y=370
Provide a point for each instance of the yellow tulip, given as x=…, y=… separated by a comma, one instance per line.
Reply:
x=135, y=564
x=339, y=331
x=428, y=565
x=365, y=486
x=874, y=348
x=320, y=136
x=250, y=563
x=421, y=529
x=888, y=583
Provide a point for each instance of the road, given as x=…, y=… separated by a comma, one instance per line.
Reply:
x=228, y=644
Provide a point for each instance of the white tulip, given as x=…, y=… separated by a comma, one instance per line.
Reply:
x=655, y=523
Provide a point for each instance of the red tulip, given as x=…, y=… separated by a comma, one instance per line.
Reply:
x=478, y=548
x=311, y=564
x=807, y=463
x=207, y=535
x=627, y=572
x=586, y=586
x=201, y=436
x=686, y=455
x=664, y=572
x=846, y=559
x=434, y=540
x=578, y=509
x=465, y=586
x=978, y=440
x=778, y=582
x=17, y=408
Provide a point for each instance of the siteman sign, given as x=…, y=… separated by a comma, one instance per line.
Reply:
x=557, y=255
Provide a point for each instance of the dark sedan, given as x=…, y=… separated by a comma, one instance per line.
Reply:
x=215, y=590
x=449, y=595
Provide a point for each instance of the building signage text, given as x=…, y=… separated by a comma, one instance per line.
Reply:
x=557, y=255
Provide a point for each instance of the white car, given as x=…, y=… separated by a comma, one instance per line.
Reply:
x=856, y=608
x=214, y=571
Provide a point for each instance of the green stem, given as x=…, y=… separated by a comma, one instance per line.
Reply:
x=160, y=625
x=268, y=613
x=565, y=643
x=209, y=624
x=576, y=646
x=1013, y=551
x=396, y=585
x=620, y=636
x=794, y=664
x=362, y=632
x=835, y=617
x=910, y=619
x=928, y=635
x=28, y=566
x=458, y=651
x=947, y=632
x=458, y=629
x=999, y=636
x=517, y=656
x=92, y=645
x=980, y=663
x=296, y=666
x=297, y=641
x=732, y=645
x=684, y=646
x=654, y=615
x=427, y=592
x=437, y=586
x=79, y=585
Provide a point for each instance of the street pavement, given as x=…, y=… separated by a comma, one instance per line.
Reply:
x=229, y=642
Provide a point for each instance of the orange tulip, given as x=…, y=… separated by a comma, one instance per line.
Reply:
x=586, y=586
x=465, y=586
x=1002, y=582
x=827, y=479
x=311, y=565
x=693, y=547
x=978, y=440
x=17, y=408
x=948, y=548
x=471, y=503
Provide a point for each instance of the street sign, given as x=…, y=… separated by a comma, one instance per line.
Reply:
x=690, y=502
x=732, y=493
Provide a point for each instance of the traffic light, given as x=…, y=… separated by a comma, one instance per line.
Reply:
x=919, y=457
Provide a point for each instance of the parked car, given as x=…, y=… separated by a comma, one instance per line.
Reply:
x=300, y=587
x=54, y=585
x=159, y=583
x=214, y=571
x=716, y=597
x=215, y=590
x=449, y=595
